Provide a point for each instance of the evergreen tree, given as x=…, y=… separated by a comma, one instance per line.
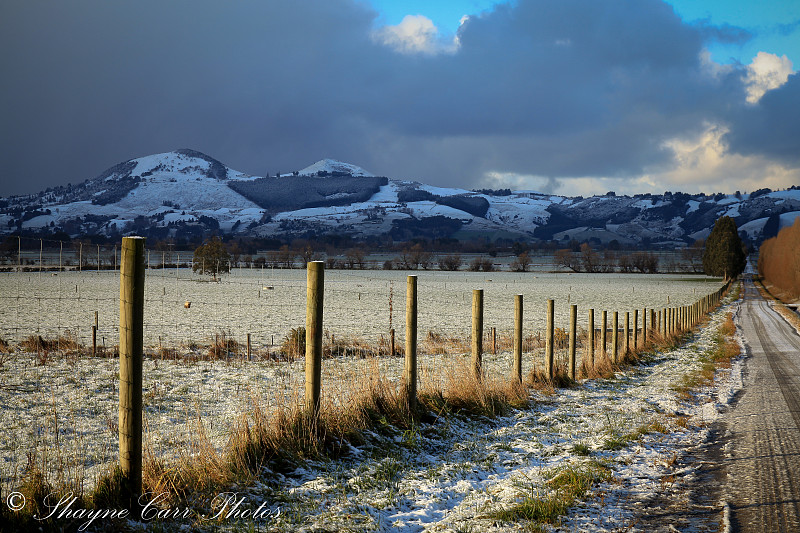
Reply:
x=724, y=254
x=212, y=258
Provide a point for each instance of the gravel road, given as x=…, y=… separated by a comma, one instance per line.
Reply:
x=762, y=458
x=745, y=477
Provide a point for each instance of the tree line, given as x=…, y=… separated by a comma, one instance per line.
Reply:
x=779, y=260
x=591, y=261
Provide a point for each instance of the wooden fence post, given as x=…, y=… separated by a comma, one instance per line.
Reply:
x=94, y=333
x=392, y=348
x=131, y=347
x=477, y=332
x=644, y=328
x=615, y=339
x=315, y=287
x=635, y=329
x=494, y=341
x=573, y=325
x=652, y=325
x=549, y=361
x=591, y=342
x=626, y=346
x=249, y=352
x=674, y=322
x=604, y=333
x=518, y=338
x=410, y=370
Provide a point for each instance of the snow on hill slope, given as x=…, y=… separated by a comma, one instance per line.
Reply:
x=188, y=194
x=184, y=181
x=171, y=187
x=332, y=166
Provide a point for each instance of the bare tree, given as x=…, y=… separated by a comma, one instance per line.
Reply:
x=693, y=255
x=521, y=263
x=567, y=259
x=354, y=258
x=625, y=263
x=450, y=262
x=481, y=263
x=644, y=262
x=285, y=257
x=589, y=258
x=411, y=258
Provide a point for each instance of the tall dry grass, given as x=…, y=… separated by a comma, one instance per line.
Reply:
x=279, y=440
x=789, y=315
x=779, y=261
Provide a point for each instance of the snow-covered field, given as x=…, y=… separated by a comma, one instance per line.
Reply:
x=445, y=476
x=361, y=304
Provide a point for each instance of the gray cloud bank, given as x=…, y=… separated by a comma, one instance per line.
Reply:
x=553, y=89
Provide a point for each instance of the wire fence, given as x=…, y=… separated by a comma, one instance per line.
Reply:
x=216, y=350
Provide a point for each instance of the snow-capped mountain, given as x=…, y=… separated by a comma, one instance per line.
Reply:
x=186, y=193
x=331, y=166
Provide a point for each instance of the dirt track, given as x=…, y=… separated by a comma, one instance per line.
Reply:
x=762, y=462
x=746, y=476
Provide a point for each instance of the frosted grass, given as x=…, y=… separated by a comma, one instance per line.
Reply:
x=358, y=304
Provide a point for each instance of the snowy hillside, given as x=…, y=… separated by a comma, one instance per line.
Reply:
x=185, y=194
x=331, y=166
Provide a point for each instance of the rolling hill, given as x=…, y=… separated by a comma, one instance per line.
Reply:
x=186, y=193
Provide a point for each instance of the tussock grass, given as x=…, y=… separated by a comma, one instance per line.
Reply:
x=441, y=344
x=566, y=486
x=462, y=393
x=602, y=368
x=618, y=440
x=40, y=496
x=223, y=348
x=66, y=343
x=581, y=449
x=561, y=380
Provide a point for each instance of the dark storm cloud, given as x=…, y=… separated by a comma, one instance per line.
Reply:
x=772, y=126
x=568, y=88
x=723, y=34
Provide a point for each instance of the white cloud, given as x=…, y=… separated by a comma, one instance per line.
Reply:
x=703, y=163
x=700, y=163
x=766, y=72
x=713, y=69
x=416, y=34
x=580, y=186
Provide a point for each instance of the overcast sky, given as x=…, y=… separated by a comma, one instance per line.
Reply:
x=569, y=96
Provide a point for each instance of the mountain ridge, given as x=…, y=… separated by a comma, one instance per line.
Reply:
x=187, y=194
